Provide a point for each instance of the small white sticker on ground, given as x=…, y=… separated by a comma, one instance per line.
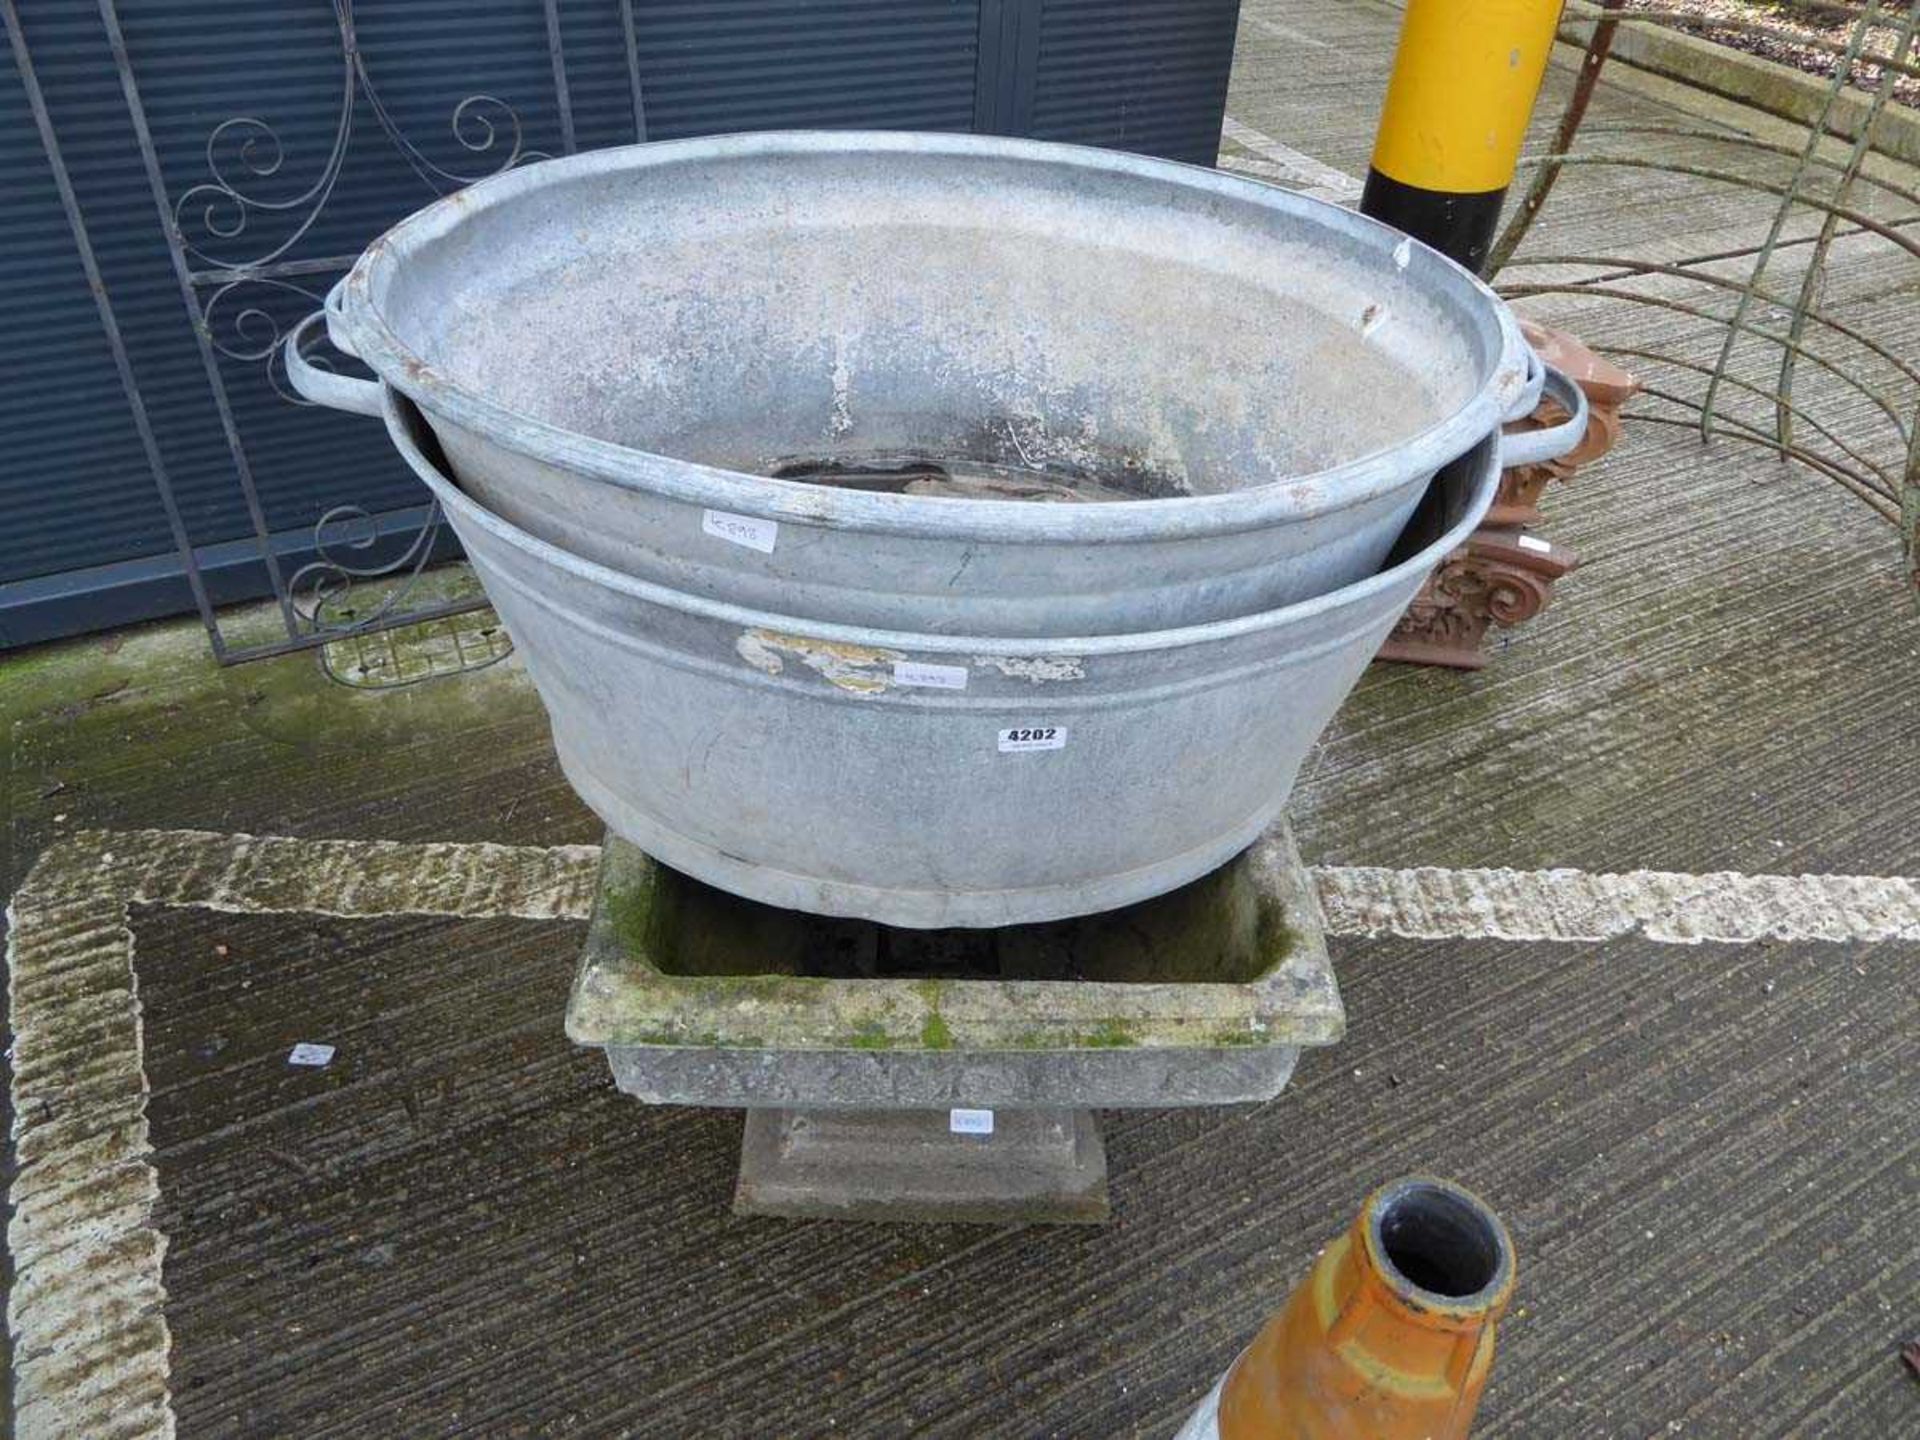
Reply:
x=1023, y=738
x=970, y=1122
x=306, y=1053
x=932, y=677
x=748, y=530
x=1536, y=544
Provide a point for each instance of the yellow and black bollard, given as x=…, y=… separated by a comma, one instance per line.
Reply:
x=1464, y=82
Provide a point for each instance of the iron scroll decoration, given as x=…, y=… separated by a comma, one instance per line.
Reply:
x=254, y=303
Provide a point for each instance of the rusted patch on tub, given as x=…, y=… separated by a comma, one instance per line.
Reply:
x=856, y=669
x=1040, y=669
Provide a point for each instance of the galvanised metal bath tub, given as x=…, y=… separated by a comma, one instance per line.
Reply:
x=618, y=349
x=929, y=780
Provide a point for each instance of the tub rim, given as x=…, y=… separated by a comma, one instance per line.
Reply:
x=357, y=326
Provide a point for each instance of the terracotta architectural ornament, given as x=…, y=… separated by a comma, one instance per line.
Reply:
x=1503, y=574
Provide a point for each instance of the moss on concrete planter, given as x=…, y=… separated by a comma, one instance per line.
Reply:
x=1201, y=996
x=1234, y=958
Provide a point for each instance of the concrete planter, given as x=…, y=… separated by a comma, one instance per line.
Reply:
x=854, y=1044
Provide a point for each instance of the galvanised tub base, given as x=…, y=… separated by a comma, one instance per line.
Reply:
x=932, y=781
x=870, y=1058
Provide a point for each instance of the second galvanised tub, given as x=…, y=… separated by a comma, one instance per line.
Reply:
x=713, y=365
x=929, y=780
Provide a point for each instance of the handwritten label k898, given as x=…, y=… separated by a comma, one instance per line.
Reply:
x=748, y=530
x=932, y=677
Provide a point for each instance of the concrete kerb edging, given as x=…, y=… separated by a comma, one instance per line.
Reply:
x=1735, y=75
x=91, y=1344
x=1764, y=85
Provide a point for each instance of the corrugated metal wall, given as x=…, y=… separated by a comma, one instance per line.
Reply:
x=268, y=196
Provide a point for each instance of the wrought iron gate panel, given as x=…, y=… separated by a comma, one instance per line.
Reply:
x=225, y=160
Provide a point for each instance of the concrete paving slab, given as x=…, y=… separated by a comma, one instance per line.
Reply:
x=379, y=1244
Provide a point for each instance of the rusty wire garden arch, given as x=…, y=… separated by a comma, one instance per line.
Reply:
x=1882, y=470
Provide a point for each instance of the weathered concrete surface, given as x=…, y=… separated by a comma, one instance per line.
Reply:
x=338, y=1239
x=1707, y=1154
x=1433, y=904
x=86, y=1308
x=139, y=728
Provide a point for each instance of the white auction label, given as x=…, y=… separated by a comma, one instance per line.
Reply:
x=933, y=677
x=309, y=1054
x=970, y=1122
x=1033, y=737
x=748, y=530
x=1534, y=542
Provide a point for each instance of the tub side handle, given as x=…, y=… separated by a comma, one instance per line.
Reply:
x=336, y=304
x=323, y=387
x=1536, y=447
x=1528, y=400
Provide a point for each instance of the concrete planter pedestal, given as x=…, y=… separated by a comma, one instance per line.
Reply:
x=1037, y=1165
x=851, y=1045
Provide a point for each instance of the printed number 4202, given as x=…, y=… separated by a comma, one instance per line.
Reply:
x=1033, y=737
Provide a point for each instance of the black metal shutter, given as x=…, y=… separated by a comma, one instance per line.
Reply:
x=1143, y=75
